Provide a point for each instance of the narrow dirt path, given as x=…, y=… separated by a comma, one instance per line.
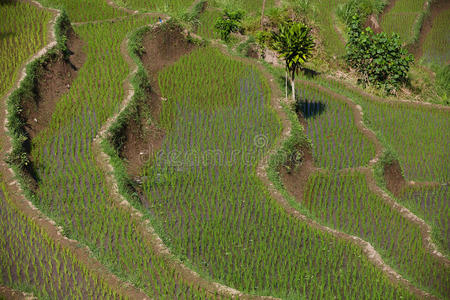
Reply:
x=11, y=294
x=147, y=230
x=16, y=193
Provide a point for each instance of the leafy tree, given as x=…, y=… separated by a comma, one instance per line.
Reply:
x=228, y=23
x=294, y=44
x=380, y=60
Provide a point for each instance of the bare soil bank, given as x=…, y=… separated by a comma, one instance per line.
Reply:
x=163, y=46
x=54, y=80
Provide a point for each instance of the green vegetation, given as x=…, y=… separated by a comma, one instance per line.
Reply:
x=203, y=188
x=30, y=258
x=203, y=192
x=165, y=6
x=253, y=7
x=436, y=46
x=228, y=23
x=325, y=18
x=402, y=19
x=402, y=127
x=72, y=188
x=380, y=60
x=85, y=10
x=432, y=204
x=344, y=201
x=337, y=142
x=294, y=44
x=23, y=33
x=363, y=9
x=416, y=136
x=443, y=82
x=207, y=21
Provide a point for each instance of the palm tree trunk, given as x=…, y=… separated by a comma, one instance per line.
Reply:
x=285, y=81
x=293, y=85
x=262, y=13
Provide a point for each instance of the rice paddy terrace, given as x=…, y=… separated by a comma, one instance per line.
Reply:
x=143, y=158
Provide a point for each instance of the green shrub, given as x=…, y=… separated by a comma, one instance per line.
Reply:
x=379, y=59
x=229, y=22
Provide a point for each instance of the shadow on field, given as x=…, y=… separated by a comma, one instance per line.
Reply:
x=309, y=109
x=6, y=34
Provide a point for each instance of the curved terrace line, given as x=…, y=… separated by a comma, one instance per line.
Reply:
x=358, y=115
x=261, y=171
x=373, y=256
x=17, y=194
x=187, y=273
x=160, y=248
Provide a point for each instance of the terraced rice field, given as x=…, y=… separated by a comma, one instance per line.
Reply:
x=402, y=18
x=337, y=142
x=207, y=21
x=431, y=202
x=23, y=33
x=326, y=18
x=216, y=183
x=85, y=10
x=156, y=5
x=436, y=46
x=201, y=220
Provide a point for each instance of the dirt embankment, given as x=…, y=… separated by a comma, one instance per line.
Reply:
x=10, y=294
x=163, y=46
x=394, y=178
x=54, y=80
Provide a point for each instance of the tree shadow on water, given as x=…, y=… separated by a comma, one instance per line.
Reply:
x=309, y=109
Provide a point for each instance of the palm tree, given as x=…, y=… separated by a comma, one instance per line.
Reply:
x=294, y=44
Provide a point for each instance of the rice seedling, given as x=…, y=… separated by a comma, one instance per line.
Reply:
x=30, y=258
x=85, y=10
x=337, y=142
x=214, y=210
x=432, y=204
x=417, y=135
x=436, y=46
x=207, y=21
x=23, y=32
x=412, y=131
x=253, y=7
x=172, y=6
x=72, y=187
x=344, y=201
x=325, y=17
x=402, y=18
